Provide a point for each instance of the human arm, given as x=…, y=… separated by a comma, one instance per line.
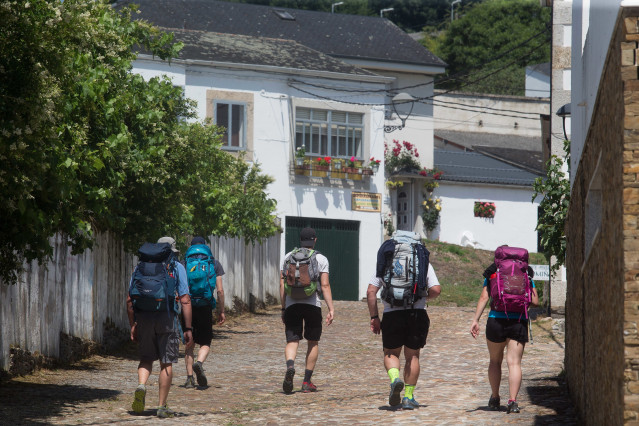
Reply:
x=371, y=299
x=434, y=292
x=220, y=299
x=535, y=297
x=282, y=294
x=481, y=304
x=131, y=315
x=328, y=297
x=185, y=301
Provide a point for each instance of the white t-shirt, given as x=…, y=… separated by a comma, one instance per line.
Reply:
x=419, y=304
x=313, y=299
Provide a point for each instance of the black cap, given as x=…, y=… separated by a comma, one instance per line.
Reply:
x=307, y=236
x=198, y=240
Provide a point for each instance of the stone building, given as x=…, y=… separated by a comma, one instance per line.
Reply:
x=602, y=229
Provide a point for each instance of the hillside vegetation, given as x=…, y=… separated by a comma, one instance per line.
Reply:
x=459, y=270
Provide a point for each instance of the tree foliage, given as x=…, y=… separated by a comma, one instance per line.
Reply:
x=87, y=146
x=555, y=190
x=489, y=46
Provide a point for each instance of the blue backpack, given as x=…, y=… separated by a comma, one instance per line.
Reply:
x=200, y=274
x=154, y=281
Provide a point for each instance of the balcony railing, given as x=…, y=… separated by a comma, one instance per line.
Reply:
x=336, y=169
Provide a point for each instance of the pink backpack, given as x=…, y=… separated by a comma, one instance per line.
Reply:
x=510, y=288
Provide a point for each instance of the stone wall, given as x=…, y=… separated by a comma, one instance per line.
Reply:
x=594, y=355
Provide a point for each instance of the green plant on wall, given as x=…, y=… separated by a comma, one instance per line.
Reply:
x=553, y=209
x=430, y=213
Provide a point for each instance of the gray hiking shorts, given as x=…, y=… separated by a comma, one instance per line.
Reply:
x=157, y=337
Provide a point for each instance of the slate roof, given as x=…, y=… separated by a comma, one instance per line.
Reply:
x=335, y=34
x=473, y=167
x=231, y=48
x=521, y=151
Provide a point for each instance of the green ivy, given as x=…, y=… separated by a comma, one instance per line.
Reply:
x=555, y=190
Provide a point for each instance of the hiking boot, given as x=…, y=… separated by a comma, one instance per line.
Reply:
x=190, y=382
x=394, y=398
x=409, y=403
x=512, y=407
x=308, y=387
x=138, y=399
x=164, y=412
x=199, y=373
x=287, y=386
x=493, y=403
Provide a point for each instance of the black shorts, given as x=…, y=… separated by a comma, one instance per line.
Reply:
x=202, y=324
x=405, y=328
x=302, y=316
x=500, y=329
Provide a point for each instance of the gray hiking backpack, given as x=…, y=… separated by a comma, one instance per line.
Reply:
x=405, y=269
x=301, y=273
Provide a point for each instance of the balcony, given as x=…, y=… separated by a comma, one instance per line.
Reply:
x=333, y=169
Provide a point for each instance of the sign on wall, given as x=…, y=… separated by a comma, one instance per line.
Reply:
x=542, y=272
x=366, y=201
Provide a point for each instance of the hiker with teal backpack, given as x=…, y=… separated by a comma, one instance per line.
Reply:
x=509, y=287
x=204, y=276
x=152, y=308
x=304, y=276
x=408, y=281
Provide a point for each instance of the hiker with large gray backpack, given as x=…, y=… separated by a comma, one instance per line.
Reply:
x=509, y=286
x=151, y=307
x=407, y=281
x=303, y=277
x=204, y=275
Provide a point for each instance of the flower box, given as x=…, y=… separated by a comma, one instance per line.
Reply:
x=367, y=172
x=485, y=209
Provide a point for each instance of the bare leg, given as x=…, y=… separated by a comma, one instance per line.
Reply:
x=144, y=371
x=513, y=358
x=166, y=377
x=391, y=358
x=312, y=353
x=411, y=370
x=203, y=353
x=496, y=352
x=188, y=357
x=291, y=350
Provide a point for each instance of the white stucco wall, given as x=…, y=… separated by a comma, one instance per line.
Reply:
x=537, y=84
x=592, y=25
x=273, y=104
x=507, y=115
x=514, y=222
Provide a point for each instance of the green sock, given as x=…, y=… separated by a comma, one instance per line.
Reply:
x=408, y=391
x=393, y=373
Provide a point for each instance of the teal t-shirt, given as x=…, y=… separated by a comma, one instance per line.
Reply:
x=499, y=314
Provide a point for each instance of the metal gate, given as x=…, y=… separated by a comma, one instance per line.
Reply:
x=338, y=240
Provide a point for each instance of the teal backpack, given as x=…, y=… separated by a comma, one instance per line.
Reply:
x=200, y=274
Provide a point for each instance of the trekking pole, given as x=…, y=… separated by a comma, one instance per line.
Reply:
x=530, y=329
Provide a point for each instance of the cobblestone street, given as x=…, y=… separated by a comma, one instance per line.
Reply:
x=246, y=369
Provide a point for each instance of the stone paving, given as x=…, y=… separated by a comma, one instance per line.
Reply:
x=246, y=369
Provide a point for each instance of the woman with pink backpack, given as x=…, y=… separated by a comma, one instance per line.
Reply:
x=509, y=287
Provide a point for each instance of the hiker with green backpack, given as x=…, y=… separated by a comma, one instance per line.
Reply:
x=304, y=276
x=407, y=281
x=204, y=276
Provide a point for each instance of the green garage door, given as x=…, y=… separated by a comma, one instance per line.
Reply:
x=338, y=240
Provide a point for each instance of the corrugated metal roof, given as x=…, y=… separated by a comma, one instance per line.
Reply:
x=335, y=34
x=472, y=167
x=468, y=139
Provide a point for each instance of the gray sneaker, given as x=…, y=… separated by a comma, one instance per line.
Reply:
x=199, y=373
x=395, y=398
x=190, y=382
x=138, y=399
x=164, y=412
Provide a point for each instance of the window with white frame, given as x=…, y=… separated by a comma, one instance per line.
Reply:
x=232, y=116
x=329, y=133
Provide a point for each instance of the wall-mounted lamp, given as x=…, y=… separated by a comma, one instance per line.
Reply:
x=400, y=100
x=335, y=4
x=381, y=12
x=564, y=112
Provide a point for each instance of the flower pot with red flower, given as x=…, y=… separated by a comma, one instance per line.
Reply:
x=321, y=166
x=374, y=164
